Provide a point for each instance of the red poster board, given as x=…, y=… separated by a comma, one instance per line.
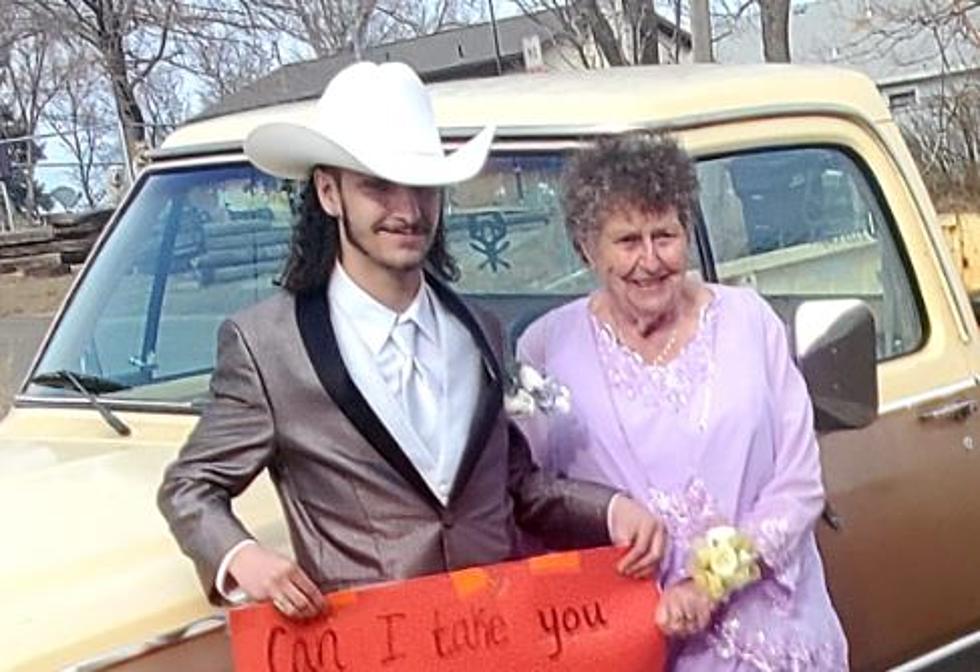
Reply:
x=565, y=611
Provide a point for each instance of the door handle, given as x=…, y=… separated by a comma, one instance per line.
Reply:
x=958, y=410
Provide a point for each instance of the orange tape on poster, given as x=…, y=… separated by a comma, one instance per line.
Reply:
x=566, y=611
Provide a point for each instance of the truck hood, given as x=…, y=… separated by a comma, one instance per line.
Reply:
x=88, y=563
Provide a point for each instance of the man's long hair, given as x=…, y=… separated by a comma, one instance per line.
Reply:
x=315, y=245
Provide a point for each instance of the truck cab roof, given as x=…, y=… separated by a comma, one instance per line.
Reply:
x=586, y=102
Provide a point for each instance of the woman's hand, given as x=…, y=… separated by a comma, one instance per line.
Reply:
x=684, y=610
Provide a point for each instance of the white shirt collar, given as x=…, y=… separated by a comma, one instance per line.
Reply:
x=373, y=320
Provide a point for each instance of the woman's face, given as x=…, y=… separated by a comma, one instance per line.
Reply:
x=640, y=259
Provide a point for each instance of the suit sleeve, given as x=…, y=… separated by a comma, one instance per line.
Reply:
x=561, y=512
x=229, y=447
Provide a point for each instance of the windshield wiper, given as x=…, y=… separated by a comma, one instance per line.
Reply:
x=88, y=386
x=71, y=380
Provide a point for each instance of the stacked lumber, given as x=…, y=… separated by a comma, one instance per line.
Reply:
x=51, y=250
x=242, y=249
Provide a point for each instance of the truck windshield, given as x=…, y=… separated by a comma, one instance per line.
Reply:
x=197, y=244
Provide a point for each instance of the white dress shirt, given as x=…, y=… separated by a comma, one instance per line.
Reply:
x=363, y=327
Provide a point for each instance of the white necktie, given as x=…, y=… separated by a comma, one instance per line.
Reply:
x=417, y=396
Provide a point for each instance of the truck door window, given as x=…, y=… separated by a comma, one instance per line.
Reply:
x=805, y=223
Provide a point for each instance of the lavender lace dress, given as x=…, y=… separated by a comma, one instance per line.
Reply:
x=722, y=434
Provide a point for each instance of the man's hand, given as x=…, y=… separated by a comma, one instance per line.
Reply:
x=684, y=610
x=267, y=575
x=632, y=525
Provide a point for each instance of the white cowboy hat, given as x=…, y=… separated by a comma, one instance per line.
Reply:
x=373, y=119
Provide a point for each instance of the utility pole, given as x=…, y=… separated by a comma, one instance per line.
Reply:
x=701, y=31
x=496, y=39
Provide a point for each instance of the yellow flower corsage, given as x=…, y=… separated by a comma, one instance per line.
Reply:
x=723, y=561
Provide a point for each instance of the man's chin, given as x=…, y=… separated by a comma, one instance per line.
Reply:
x=411, y=264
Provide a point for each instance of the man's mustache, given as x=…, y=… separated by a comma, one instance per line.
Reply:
x=422, y=227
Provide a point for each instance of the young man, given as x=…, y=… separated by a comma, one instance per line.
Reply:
x=369, y=391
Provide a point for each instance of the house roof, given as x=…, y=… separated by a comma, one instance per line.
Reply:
x=451, y=54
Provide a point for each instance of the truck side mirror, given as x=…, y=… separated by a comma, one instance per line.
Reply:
x=834, y=342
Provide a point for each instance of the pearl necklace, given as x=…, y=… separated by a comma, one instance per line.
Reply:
x=661, y=357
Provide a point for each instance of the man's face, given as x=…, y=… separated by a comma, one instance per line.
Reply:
x=385, y=226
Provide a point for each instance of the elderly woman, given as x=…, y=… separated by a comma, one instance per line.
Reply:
x=685, y=396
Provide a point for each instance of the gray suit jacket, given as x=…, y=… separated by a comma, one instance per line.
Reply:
x=358, y=511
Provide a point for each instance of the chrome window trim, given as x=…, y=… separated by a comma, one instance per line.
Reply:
x=123, y=405
x=942, y=653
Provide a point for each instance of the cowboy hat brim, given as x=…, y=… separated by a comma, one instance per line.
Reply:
x=292, y=150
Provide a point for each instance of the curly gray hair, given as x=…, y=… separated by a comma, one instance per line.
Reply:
x=641, y=170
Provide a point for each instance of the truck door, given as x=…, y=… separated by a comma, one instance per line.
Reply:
x=825, y=212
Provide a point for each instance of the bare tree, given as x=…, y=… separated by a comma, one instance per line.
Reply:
x=944, y=137
x=601, y=32
x=774, y=15
x=78, y=116
x=942, y=125
x=901, y=28
x=412, y=18
x=33, y=72
x=17, y=146
x=130, y=38
x=330, y=27
x=164, y=103
x=771, y=19
x=223, y=47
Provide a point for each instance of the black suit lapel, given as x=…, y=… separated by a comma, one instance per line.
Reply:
x=490, y=399
x=320, y=341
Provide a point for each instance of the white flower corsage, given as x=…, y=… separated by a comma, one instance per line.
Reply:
x=723, y=561
x=532, y=392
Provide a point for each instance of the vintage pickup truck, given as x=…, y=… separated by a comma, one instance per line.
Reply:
x=808, y=194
